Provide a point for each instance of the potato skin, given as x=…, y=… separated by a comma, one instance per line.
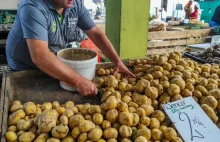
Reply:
x=60, y=131
x=95, y=134
x=125, y=118
x=170, y=134
x=86, y=126
x=110, y=133
x=125, y=131
x=27, y=137
x=11, y=136
x=42, y=137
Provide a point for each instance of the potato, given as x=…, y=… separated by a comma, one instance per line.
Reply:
x=106, y=124
x=211, y=86
x=88, y=117
x=20, y=133
x=126, y=99
x=157, y=74
x=111, y=103
x=162, y=128
x=85, y=108
x=23, y=125
x=197, y=94
x=141, y=139
x=210, y=112
x=46, y=106
x=15, y=107
x=131, y=109
x=68, y=113
x=15, y=117
x=154, y=123
x=148, y=109
x=86, y=126
x=47, y=121
x=105, y=96
x=141, y=112
x=123, y=107
x=83, y=137
x=11, y=136
x=145, y=120
x=95, y=134
x=210, y=101
x=64, y=120
x=110, y=133
x=125, y=140
x=101, y=72
x=42, y=138
x=159, y=115
x=165, y=84
x=27, y=137
x=12, y=128
x=144, y=132
x=55, y=105
x=170, y=134
x=186, y=93
x=60, y=110
x=125, y=131
x=75, y=132
x=75, y=120
x=29, y=108
x=97, y=118
x=202, y=89
x=178, y=80
x=136, y=119
x=164, y=97
x=215, y=93
x=157, y=135
x=177, y=139
x=173, y=90
x=122, y=86
x=112, y=115
x=116, y=94
x=111, y=140
x=125, y=118
x=190, y=87
x=101, y=140
x=53, y=140
x=68, y=139
x=112, y=81
x=60, y=131
x=176, y=98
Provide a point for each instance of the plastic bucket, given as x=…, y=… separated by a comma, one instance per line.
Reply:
x=82, y=61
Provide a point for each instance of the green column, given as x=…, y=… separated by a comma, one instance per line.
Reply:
x=127, y=27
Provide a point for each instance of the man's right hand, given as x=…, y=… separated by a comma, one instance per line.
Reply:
x=86, y=87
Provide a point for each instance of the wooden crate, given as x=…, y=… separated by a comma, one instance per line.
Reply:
x=168, y=41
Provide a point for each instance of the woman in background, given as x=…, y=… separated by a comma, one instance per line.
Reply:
x=195, y=14
x=188, y=9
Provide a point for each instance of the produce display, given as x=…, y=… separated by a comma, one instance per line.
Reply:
x=157, y=25
x=130, y=110
x=209, y=55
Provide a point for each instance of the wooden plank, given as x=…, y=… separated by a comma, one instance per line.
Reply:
x=199, y=33
x=167, y=43
x=2, y=101
x=166, y=35
x=165, y=50
x=197, y=41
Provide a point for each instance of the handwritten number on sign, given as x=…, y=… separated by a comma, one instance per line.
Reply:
x=191, y=130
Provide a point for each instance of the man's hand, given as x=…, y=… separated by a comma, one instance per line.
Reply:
x=86, y=88
x=121, y=68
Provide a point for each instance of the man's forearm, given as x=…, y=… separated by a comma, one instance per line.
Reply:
x=102, y=42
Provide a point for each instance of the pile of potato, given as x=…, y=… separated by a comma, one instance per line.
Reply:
x=131, y=108
x=210, y=55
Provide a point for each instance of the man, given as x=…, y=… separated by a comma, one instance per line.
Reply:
x=215, y=18
x=188, y=8
x=42, y=28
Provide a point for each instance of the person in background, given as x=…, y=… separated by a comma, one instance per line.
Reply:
x=215, y=18
x=195, y=14
x=188, y=9
x=163, y=15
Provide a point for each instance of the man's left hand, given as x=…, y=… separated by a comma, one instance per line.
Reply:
x=121, y=68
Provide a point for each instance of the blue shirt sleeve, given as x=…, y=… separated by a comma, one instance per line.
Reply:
x=34, y=23
x=84, y=22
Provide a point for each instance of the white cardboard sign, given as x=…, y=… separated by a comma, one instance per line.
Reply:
x=191, y=121
x=215, y=40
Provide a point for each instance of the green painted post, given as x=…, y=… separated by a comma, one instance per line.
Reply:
x=127, y=27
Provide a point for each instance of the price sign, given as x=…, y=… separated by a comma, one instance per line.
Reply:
x=191, y=121
x=215, y=40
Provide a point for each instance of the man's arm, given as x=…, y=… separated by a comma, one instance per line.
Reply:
x=51, y=65
x=102, y=42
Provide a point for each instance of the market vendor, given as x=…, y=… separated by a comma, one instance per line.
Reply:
x=42, y=28
x=188, y=8
x=215, y=18
x=195, y=14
